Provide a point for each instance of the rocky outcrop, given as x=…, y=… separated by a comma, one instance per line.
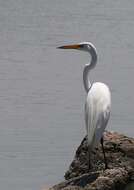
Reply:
x=120, y=156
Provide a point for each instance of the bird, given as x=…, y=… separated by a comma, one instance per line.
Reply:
x=98, y=101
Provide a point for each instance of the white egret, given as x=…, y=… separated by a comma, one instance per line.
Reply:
x=98, y=101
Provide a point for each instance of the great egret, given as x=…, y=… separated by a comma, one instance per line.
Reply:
x=98, y=102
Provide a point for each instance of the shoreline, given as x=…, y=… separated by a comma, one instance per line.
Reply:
x=120, y=155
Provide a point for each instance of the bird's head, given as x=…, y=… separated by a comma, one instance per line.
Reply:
x=83, y=46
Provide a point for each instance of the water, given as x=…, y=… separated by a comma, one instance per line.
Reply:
x=41, y=91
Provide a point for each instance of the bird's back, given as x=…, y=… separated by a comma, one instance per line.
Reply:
x=97, y=112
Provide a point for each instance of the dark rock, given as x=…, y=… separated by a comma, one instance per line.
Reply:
x=120, y=156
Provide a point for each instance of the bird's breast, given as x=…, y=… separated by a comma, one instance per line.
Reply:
x=99, y=94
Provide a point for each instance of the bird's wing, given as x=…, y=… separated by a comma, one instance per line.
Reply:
x=101, y=124
x=96, y=117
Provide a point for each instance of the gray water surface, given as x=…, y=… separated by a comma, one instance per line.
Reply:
x=41, y=91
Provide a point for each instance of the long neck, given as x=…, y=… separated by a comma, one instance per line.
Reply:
x=88, y=67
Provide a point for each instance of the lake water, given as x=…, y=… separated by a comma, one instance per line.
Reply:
x=41, y=90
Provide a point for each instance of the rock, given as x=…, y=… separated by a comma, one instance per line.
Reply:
x=119, y=151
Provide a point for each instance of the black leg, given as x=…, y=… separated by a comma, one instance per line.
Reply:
x=89, y=158
x=105, y=160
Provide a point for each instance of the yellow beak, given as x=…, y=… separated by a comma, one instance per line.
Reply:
x=74, y=46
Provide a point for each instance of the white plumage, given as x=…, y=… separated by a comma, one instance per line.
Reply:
x=97, y=112
x=98, y=102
